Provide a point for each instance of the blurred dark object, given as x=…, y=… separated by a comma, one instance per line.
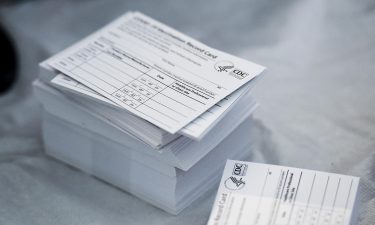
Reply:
x=8, y=61
x=8, y=2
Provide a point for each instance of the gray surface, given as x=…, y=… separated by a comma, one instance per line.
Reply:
x=317, y=99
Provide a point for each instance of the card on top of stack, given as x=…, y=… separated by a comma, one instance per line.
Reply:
x=149, y=95
x=253, y=193
x=154, y=72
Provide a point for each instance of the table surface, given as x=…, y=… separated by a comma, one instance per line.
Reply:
x=317, y=100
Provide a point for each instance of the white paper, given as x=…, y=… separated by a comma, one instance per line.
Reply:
x=195, y=129
x=252, y=193
x=154, y=71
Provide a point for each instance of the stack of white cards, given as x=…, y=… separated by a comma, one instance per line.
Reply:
x=147, y=109
x=252, y=193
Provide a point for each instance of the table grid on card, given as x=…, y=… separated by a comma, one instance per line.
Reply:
x=315, y=215
x=137, y=89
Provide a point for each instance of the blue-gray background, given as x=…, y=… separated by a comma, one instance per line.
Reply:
x=317, y=99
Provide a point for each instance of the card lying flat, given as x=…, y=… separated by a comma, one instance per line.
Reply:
x=154, y=71
x=195, y=129
x=261, y=194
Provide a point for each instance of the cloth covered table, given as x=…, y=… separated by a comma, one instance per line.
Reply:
x=317, y=99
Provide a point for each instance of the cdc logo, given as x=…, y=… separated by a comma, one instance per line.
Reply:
x=239, y=74
x=239, y=169
x=227, y=66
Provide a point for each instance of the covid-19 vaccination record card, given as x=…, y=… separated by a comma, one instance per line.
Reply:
x=262, y=194
x=154, y=71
